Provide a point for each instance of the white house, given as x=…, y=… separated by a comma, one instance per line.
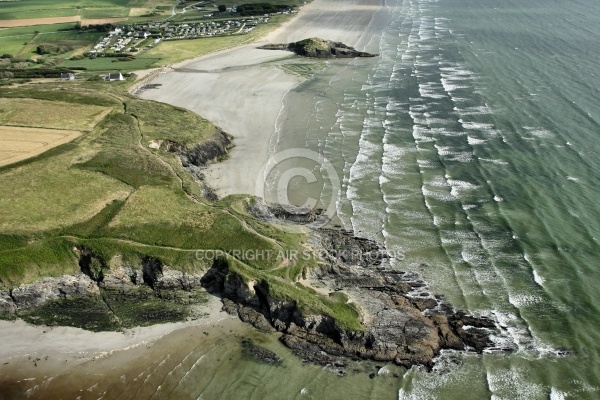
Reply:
x=114, y=77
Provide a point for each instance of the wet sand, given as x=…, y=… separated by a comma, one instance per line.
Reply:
x=29, y=353
x=242, y=90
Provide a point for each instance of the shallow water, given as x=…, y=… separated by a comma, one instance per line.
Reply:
x=469, y=147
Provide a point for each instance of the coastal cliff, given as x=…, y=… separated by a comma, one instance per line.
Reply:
x=124, y=297
x=399, y=320
x=319, y=48
x=195, y=158
x=399, y=325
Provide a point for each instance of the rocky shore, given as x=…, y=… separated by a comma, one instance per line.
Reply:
x=107, y=300
x=401, y=321
x=319, y=48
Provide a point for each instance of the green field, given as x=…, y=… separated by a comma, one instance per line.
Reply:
x=109, y=191
x=54, y=8
x=24, y=30
x=14, y=44
x=108, y=12
x=111, y=64
x=8, y=13
x=22, y=41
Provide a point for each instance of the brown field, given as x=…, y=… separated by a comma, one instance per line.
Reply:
x=11, y=23
x=98, y=21
x=139, y=11
x=50, y=114
x=17, y=143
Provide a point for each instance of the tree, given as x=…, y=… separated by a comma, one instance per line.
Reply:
x=222, y=8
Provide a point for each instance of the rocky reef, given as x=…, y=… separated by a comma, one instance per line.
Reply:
x=319, y=48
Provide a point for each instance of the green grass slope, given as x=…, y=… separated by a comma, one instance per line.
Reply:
x=111, y=192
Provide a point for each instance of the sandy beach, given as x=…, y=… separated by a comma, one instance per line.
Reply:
x=33, y=353
x=242, y=90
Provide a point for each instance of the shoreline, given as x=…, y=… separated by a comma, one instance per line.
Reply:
x=21, y=339
x=242, y=90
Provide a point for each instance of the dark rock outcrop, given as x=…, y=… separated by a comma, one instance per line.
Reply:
x=319, y=48
x=194, y=159
x=397, y=326
x=203, y=153
x=91, y=264
x=32, y=295
x=260, y=353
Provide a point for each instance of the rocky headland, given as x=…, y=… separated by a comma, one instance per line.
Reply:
x=400, y=320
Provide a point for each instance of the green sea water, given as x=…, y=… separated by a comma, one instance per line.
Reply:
x=470, y=147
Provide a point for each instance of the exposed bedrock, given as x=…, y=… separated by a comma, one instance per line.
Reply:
x=319, y=48
x=397, y=327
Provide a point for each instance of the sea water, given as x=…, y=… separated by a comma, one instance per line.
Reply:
x=470, y=147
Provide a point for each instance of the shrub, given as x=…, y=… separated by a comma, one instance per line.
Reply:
x=52, y=49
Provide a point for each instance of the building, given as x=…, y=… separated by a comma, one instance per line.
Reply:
x=67, y=76
x=114, y=77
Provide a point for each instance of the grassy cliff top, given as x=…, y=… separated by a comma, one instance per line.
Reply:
x=110, y=191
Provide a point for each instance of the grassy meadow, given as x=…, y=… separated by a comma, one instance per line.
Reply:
x=107, y=189
x=22, y=9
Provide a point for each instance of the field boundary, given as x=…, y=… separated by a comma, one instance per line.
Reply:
x=13, y=23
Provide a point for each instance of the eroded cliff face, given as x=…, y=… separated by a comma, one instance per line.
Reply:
x=398, y=326
x=195, y=158
x=203, y=153
x=124, y=297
